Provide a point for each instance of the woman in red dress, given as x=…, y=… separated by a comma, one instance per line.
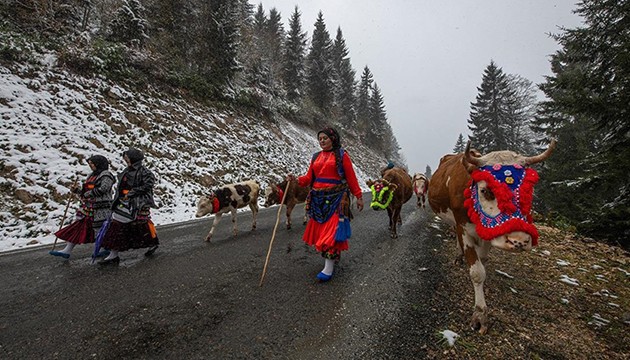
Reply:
x=332, y=178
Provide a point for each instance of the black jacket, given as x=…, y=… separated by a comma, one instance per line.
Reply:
x=140, y=182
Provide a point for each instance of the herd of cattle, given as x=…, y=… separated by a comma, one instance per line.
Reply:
x=485, y=198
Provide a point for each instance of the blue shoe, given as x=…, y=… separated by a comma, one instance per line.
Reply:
x=103, y=253
x=59, y=253
x=323, y=277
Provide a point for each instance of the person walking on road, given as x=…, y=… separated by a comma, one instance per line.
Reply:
x=131, y=226
x=332, y=178
x=96, y=199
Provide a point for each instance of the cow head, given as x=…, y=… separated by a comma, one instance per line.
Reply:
x=271, y=195
x=419, y=184
x=208, y=204
x=382, y=193
x=499, y=196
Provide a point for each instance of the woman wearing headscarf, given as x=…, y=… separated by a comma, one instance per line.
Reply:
x=332, y=178
x=131, y=226
x=96, y=199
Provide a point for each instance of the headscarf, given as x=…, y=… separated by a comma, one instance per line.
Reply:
x=333, y=135
x=134, y=155
x=100, y=163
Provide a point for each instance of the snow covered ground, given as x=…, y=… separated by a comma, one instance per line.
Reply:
x=52, y=121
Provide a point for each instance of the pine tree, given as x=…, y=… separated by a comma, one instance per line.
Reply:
x=427, y=172
x=320, y=70
x=589, y=102
x=490, y=111
x=379, y=133
x=274, y=41
x=345, y=83
x=460, y=145
x=295, y=49
x=364, y=92
x=129, y=25
x=222, y=40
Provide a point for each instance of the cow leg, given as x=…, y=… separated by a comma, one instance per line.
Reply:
x=477, y=270
x=394, y=221
x=234, y=224
x=389, y=215
x=459, y=234
x=217, y=218
x=254, y=208
x=289, y=210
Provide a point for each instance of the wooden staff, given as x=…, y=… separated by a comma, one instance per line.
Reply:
x=273, y=235
x=63, y=219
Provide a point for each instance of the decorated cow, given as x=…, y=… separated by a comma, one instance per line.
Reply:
x=229, y=198
x=488, y=199
x=391, y=192
x=420, y=185
x=295, y=194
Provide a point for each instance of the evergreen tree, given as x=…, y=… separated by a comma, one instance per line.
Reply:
x=587, y=110
x=274, y=41
x=222, y=40
x=345, y=84
x=364, y=93
x=427, y=171
x=320, y=70
x=295, y=50
x=490, y=111
x=460, y=145
x=173, y=33
x=378, y=133
x=129, y=25
x=502, y=114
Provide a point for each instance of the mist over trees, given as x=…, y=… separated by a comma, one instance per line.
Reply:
x=228, y=53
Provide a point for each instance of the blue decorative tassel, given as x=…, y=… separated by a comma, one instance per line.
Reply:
x=343, y=229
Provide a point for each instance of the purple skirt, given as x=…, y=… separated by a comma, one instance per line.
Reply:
x=134, y=235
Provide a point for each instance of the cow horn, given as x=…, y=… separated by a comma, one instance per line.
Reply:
x=541, y=157
x=469, y=158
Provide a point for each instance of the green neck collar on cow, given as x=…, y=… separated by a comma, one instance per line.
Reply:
x=377, y=199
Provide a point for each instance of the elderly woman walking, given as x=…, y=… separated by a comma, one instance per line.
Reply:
x=96, y=199
x=131, y=226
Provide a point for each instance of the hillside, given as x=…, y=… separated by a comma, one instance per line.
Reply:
x=53, y=120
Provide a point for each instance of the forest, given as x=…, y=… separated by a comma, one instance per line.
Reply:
x=232, y=54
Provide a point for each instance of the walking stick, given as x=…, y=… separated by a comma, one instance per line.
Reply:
x=273, y=235
x=63, y=219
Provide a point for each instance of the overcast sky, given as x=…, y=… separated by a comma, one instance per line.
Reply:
x=428, y=57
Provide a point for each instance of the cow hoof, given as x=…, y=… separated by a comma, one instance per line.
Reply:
x=479, y=321
x=207, y=239
x=459, y=260
x=288, y=227
x=394, y=236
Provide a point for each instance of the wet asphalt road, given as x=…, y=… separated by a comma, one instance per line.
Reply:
x=198, y=300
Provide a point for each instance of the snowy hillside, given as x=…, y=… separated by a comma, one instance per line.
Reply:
x=52, y=121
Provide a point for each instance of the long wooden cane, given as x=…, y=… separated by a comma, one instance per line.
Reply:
x=63, y=219
x=273, y=235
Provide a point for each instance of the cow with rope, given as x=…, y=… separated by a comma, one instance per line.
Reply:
x=295, y=194
x=488, y=199
x=229, y=198
x=390, y=193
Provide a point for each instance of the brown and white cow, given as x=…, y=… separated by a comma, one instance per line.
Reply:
x=488, y=200
x=295, y=195
x=229, y=198
x=391, y=192
x=420, y=185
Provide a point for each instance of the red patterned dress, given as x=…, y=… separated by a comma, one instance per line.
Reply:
x=326, y=175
